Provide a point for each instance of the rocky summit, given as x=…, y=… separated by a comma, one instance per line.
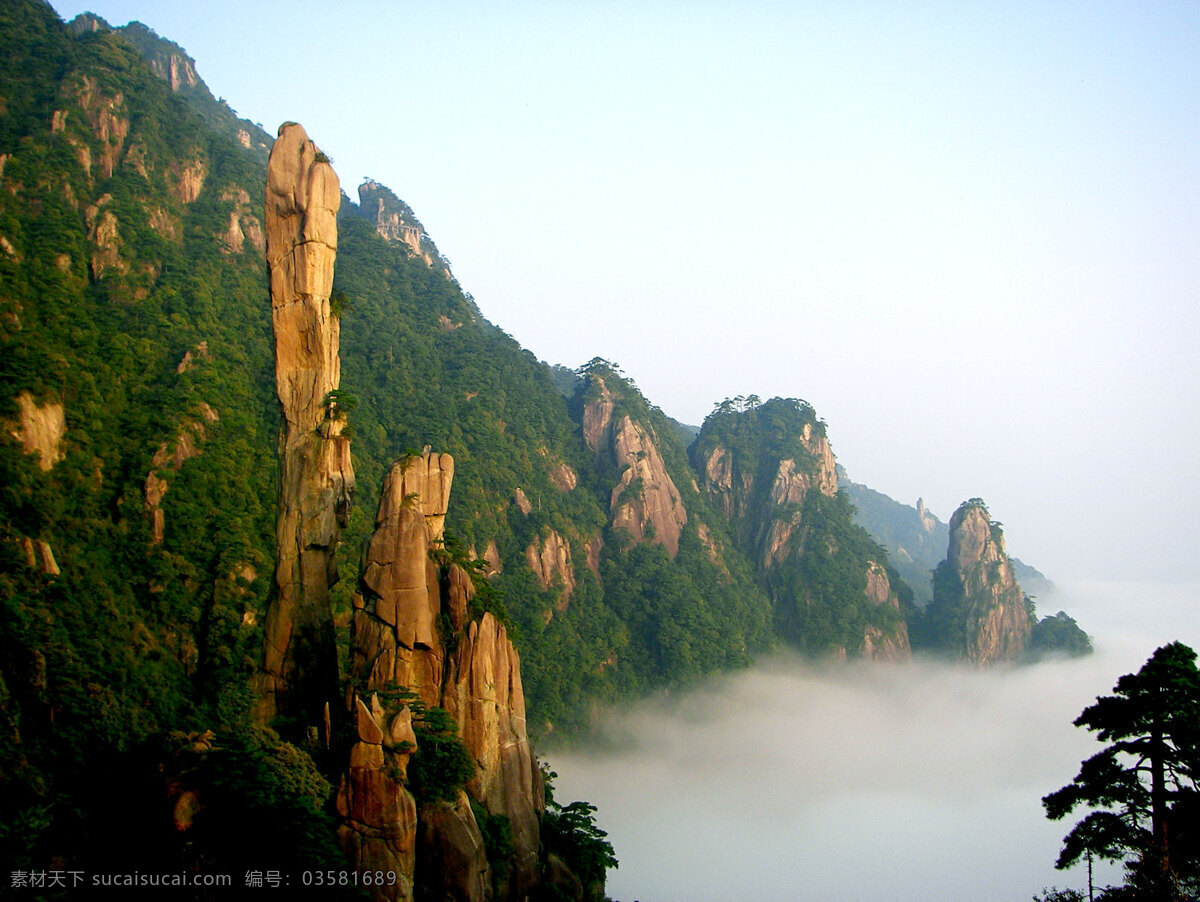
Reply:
x=978, y=613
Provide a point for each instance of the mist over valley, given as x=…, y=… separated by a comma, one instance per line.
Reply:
x=849, y=781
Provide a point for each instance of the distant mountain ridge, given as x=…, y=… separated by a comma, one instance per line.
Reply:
x=916, y=540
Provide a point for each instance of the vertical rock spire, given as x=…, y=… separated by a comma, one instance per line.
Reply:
x=414, y=630
x=978, y=610
x=299, y=669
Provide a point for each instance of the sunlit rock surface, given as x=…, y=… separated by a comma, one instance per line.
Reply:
x=414, y=630
x=299, y=670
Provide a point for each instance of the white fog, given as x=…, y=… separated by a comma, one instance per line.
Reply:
x=858, y=782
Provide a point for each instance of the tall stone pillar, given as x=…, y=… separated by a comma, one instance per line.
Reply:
x=299, y=667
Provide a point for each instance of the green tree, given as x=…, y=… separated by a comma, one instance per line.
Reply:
x=570, y=832
x=1058, y=634
x=1142, y=787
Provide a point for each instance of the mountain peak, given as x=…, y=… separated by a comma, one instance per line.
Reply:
x=172, y=64
x=978, y=609
x=395, y=221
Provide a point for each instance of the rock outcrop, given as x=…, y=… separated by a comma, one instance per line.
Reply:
x=169, y=457
x=186, y=180
x=105, y=238
x=597, y=416
x=765, y=514
x=40, y=429
x=928, y=521
x=879, y=644
x=978, y=612
x=789, y=488
x=108, y=117
x=396, y=639
x=378, y=828
x=549, y=557
x=769, y=468
x=483, y=693
x=316, y=478
x=453, y=860
x=414, y=632
x=243, y=225
x=644, y=502
x=39, y=556
x=564, y=478
x=395, y=221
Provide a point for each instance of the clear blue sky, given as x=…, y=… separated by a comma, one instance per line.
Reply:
x=968, y=233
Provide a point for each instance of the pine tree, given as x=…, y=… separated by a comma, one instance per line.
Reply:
x=1143, y=786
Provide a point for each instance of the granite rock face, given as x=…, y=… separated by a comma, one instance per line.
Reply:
x=450, y=847
x=644, y=502
x=878, y=645
x=316, y=479
x=766, y=514
x=396, y=639
x=378, y=829
x=40, y=429
x=395, y=221
x=770, y=469
x=483, y=693
x=414, y=629
x=549, y=557
x=978, y=607
x=790, y=487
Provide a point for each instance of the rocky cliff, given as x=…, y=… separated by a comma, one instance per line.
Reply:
x=395, y=221
x=769, y=468
x=916, y=540
x=761, y=486
x=417, y=634
x=878, y=643
x=644, y=502
x=40, y=429
x=316, y=475
x=978, y=612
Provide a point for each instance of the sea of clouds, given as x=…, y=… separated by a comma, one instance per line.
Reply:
x=859, y=782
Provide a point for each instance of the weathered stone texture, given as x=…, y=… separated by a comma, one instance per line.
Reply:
x=453, y=862
x=316, y=479
x=407, y=606
x=995, y=624
x=878, y=645
x=549, y=557
x=645, y=502
x=40, y=429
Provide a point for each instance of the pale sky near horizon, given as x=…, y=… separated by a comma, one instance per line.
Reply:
x=969, y=234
